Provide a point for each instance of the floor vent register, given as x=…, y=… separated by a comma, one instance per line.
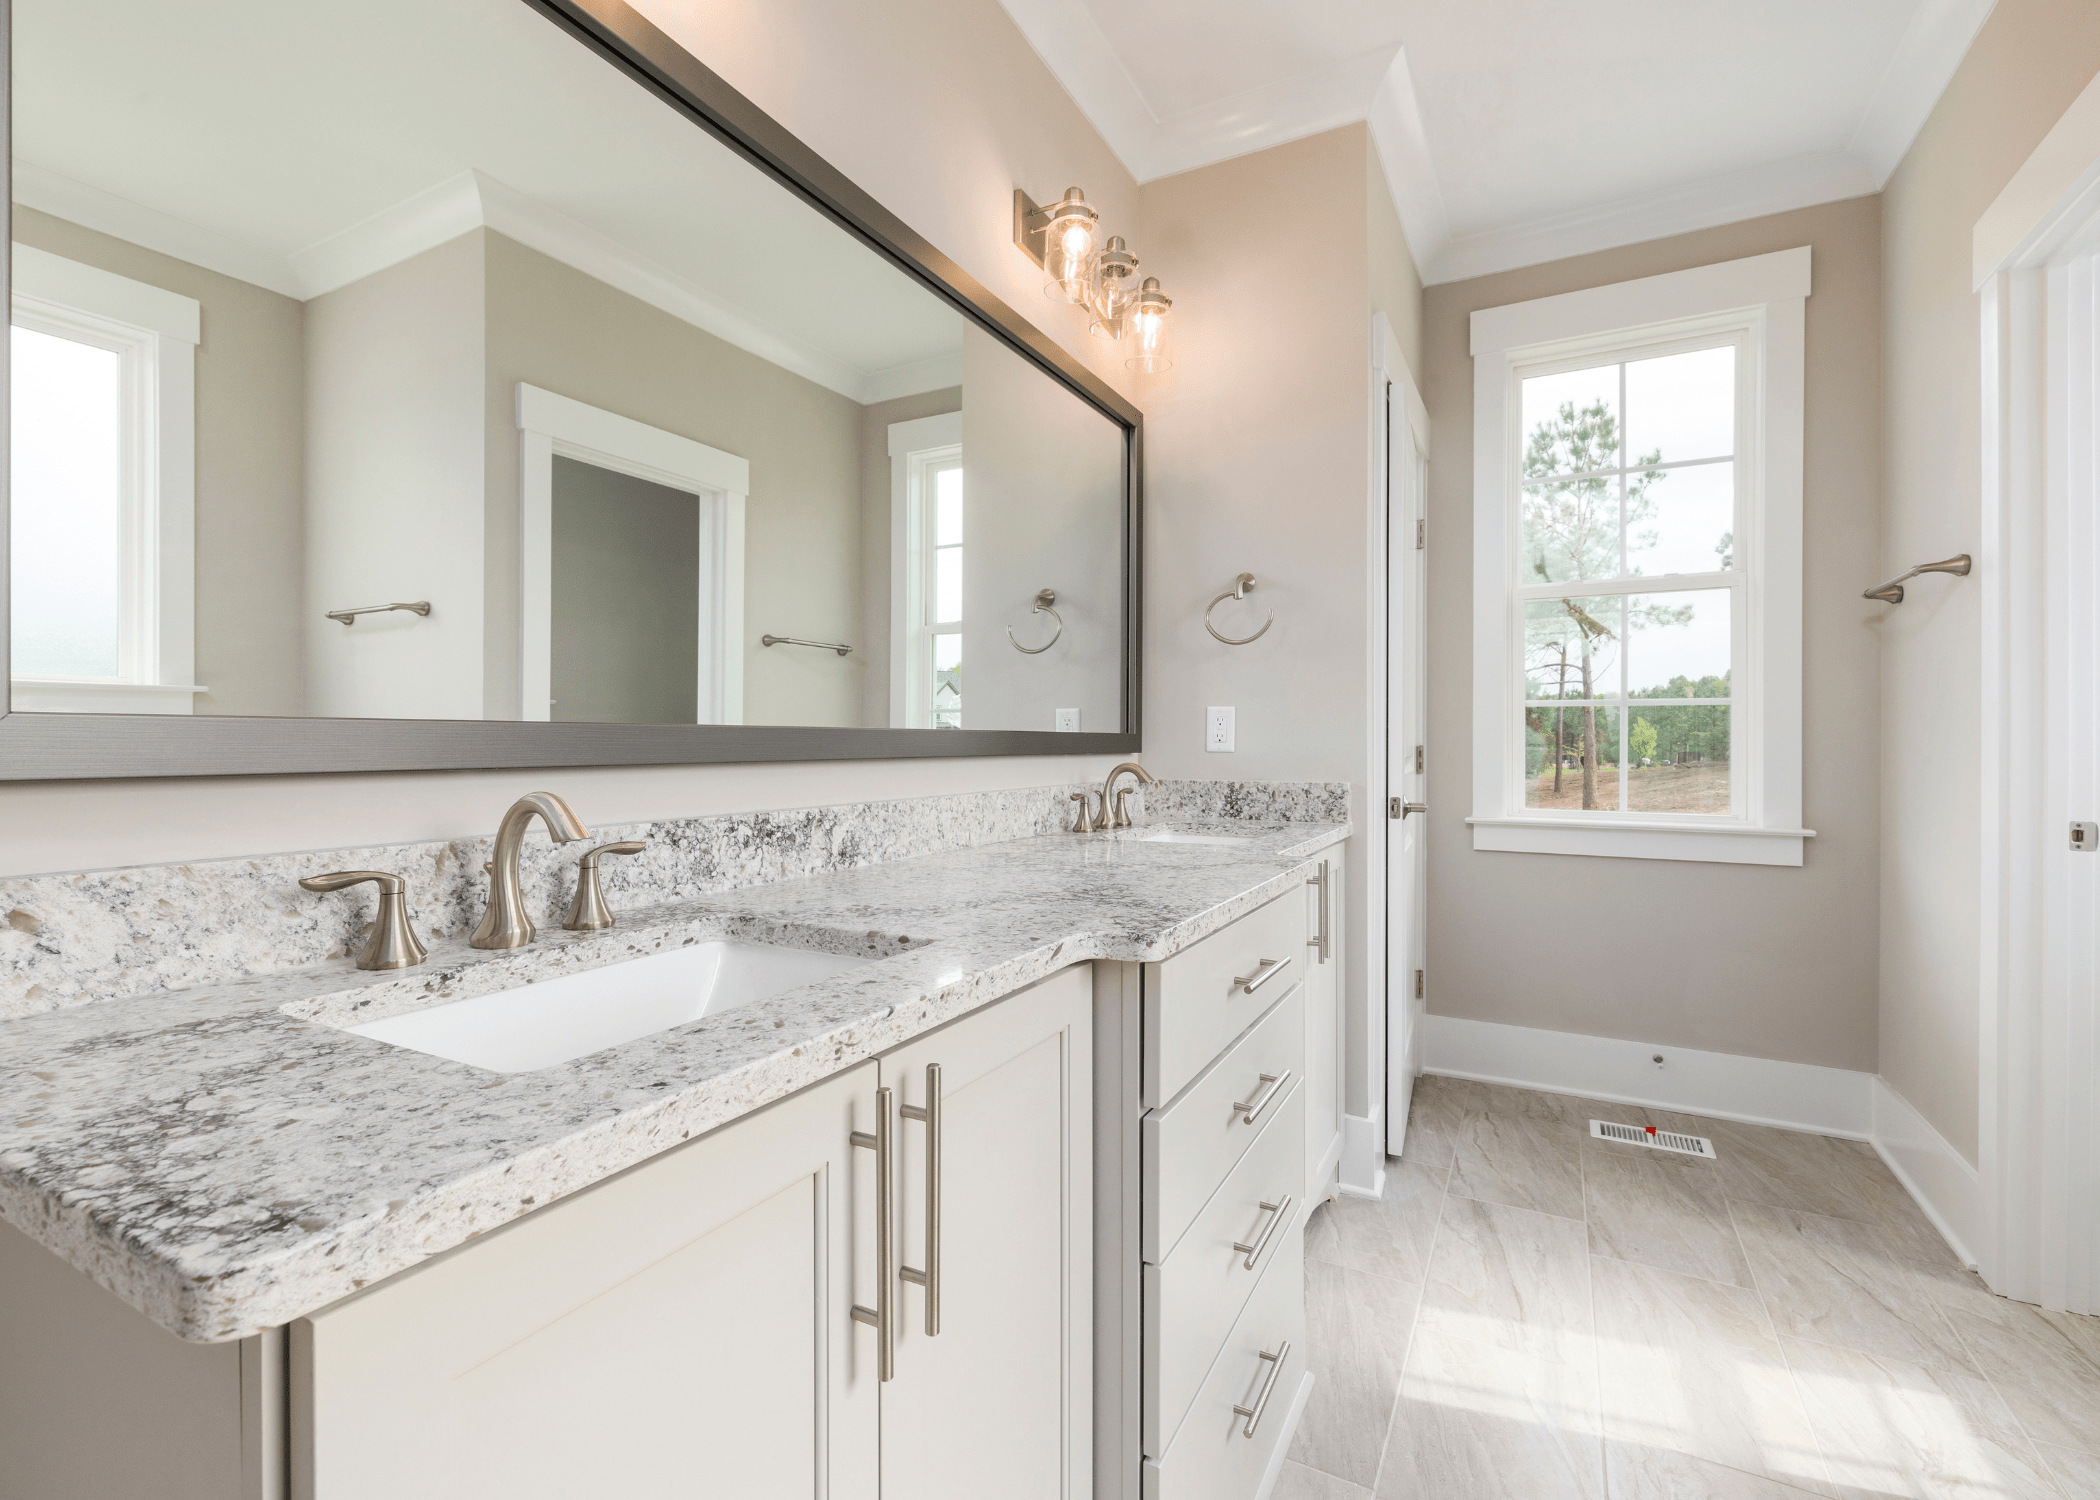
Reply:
x=1648, y=1135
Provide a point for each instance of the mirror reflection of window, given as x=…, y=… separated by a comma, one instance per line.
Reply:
x=944, y=612
x=66, y=498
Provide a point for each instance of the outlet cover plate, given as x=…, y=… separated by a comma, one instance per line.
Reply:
x=1068, y=721
x=1217, y=729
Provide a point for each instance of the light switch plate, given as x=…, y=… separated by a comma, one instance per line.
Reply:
x=1068, y=721
x=1217, y=729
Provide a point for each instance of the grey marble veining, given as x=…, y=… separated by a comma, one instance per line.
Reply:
x=106, y=934
x=225, y=1158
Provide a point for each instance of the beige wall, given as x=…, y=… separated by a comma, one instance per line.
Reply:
x=1396, y=284
x=552, y=326
x=936, y=107
x=251, y=613
x=2029, y=61
x=394, y=485
x=1769, y=962
x=1257, y=460
x=876, y=542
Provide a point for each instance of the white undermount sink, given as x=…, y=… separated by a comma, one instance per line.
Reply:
x=1172, y=836
x=539, y=1025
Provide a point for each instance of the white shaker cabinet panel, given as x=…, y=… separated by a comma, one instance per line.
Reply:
x=1325, y=1030
x=682, y=1327
x=999, y=1401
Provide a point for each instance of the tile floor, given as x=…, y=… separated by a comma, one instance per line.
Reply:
x=1532, y=1314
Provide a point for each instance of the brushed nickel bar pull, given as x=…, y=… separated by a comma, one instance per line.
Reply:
x=1279, y=1212
x=879, y=1316
x=1267, y=970
x=930, y=1278
x=1321, y=940
x=1276, y=1082
x=791, y=640
x=349, y=616
x=1892, y=591
x=1268, y=1388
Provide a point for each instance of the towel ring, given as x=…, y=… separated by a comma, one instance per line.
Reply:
x=1242, y=586
x=1043, y=601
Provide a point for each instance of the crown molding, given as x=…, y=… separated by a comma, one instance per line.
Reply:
x=471, y=200
x=1410, y=171
x=1705, y=204
x=1930, y=49
x=66, y=198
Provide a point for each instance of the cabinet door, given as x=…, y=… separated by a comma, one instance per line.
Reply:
x=1324, y=1029
x=1000, y=1400
x=681, y=1329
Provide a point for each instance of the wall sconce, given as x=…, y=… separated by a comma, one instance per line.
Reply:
x=1151, y=341
x=1062, y=239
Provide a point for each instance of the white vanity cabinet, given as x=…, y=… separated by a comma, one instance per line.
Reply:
x=1325, y=1031
x=688, y=1326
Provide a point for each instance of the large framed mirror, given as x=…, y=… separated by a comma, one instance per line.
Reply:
x=479, y=383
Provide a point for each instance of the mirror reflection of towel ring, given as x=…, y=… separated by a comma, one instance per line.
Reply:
x=1241, y=588
x=1043, y=601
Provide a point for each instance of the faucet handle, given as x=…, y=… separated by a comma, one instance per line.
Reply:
x=1122, y=816
x=1086, y=811
x=588, y=911
x=393, y=943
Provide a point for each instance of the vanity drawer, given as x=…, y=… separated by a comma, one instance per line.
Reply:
x=1212, y=1457
x=1190, y=1147
x=1192, y=1300
x=1193, y=1008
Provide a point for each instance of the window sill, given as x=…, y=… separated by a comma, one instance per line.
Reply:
x=92, y=695
x=1704, y=842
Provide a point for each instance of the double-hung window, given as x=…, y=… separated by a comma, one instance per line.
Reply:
x=101, y=481
x=926, y=580
x=1637, y=568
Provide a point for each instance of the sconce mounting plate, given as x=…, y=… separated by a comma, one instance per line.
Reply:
x=1031, y=226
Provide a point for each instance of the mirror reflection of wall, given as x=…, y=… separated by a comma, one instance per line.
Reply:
x=477, y=321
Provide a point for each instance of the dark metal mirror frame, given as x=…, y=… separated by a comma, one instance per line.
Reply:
x=39, y=746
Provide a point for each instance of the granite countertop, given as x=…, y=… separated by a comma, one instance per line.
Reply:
x=225, y=1158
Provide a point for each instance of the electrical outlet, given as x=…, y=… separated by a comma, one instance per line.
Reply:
x=1217, y=729
x=1068, y=721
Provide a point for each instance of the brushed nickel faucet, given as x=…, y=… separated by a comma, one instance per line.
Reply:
x=1113, y=813
x=505, y=924
x=588, y=911
x=393, y=944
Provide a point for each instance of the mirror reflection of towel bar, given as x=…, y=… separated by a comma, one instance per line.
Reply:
x=789, y=640
x=349, y=616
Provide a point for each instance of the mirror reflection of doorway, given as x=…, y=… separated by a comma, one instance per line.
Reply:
x=626, y=599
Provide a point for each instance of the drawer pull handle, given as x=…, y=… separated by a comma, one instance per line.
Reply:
x=1265, y=971
x=1278, y=1212
x=1268, y=1388
x=930, y=1117
x=879, y=1316
x=1276, y=1082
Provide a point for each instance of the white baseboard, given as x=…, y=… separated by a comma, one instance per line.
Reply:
x=1933, y=1172
x=1363, y=1154
x=1755, y=1090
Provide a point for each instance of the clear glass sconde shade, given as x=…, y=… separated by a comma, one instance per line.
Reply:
x=1151, y=330
x=1114, y=290
x=1068, y=248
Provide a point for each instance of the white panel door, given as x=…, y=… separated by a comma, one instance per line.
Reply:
x=682, y=1329
x=999, y=1401
x=1407, y=739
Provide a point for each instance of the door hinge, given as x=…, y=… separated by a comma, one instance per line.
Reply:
x=1418, y=760
x=1421, y=535
x=1418, y=984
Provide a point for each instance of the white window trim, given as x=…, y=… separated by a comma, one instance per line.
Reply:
x=1765, y=293
x=157, y=332
x=914, y=448
x=551, y=426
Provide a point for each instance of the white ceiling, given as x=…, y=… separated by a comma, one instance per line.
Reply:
x=1519, y=131
x=301, y=146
